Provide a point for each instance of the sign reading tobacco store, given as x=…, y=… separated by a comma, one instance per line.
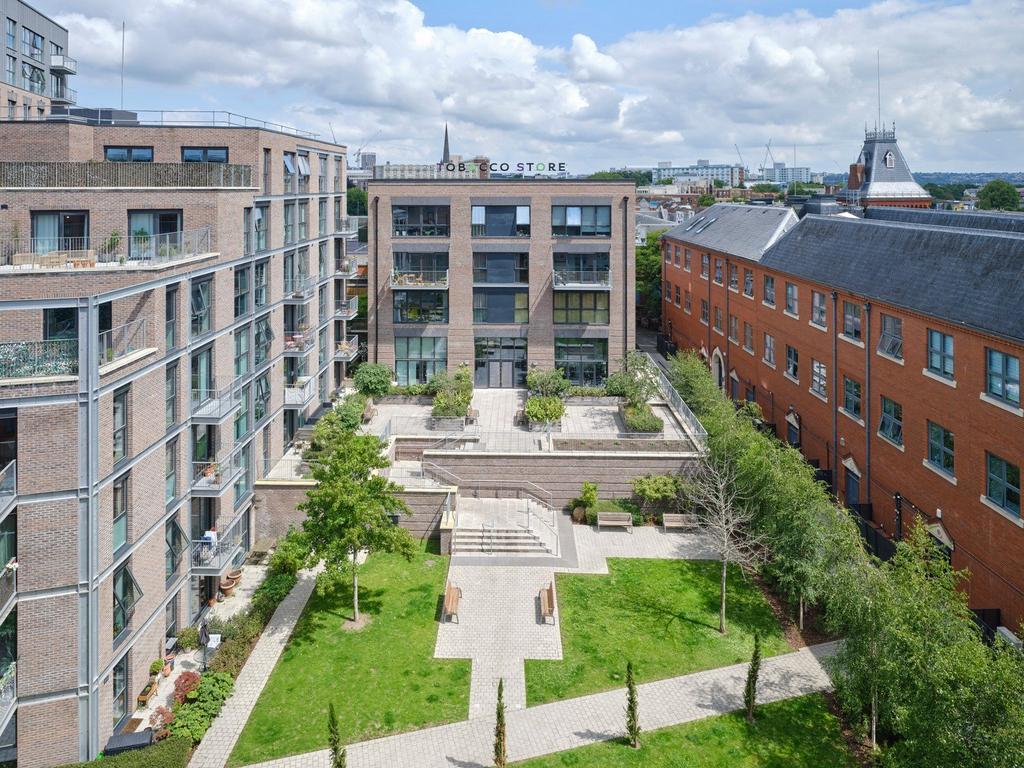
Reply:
x=493, y=167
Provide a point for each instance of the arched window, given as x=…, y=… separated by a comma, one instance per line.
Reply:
x=890, y=160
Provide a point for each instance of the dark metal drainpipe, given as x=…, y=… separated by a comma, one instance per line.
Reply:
x=728, y=332
x=711, y=313
x=376, y=277
x=867, y=399
x=625, y=277
x=835, y=394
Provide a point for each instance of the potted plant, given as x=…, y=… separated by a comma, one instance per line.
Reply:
x=113, y=242
x=586, y=500
x=154, y=669
x=209, y=469
x=169, y=657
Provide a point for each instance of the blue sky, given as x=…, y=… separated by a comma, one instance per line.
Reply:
x=593, y=84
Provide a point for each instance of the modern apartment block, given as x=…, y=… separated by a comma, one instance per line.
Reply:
x=501, y=275
x=888, y=349
x=36, y=63
x=173, y=307
x=730, y=175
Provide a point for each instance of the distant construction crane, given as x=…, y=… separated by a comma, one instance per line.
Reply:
x=743, y=165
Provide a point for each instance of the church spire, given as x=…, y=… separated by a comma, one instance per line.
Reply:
x=445, y=155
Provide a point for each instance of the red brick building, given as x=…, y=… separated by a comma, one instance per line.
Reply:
x=888, y=349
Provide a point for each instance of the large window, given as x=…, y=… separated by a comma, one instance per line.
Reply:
x=289, y=223
x=418, y=358
x=819, y=377
x=501, y=305
x=584, y=361
x=241, y=421
x=174, y=546
x=890, y=340
x=263, y=335
x=420, y=220
x=171, y=395
x=60, y=231
x=586, y=268
x=500, y=221
x=420, y=306
x=242, y=351
x=940, y=448
x=718, y=319
x=171, y=470
x=500, y=362
x=769, y=349
x=890, y=425
x=792, y=362
x=33, y=79
x=60, y=324
x=261, y=226
x=851, y=320
x=734, y=277
x=10, y=34
x=303, y=225
x=940, y=353
x=703, y=310
x=10, y=70
x=818, y=308
x=202, y=376
x=202, y=306
x=705, y=265
x=261, y=402
x=1002, y=486
x=1002, y=376
x=748, y=282
x=204, y=154
x=420, y=268
x=31, y=44
x=581, y=307
x=154, y=234
x=581, y=220
x=851, y=397
x=719, y=264
x=128, y=154
x=119, y=687
x=501, y=268
x=120, y=526
x=120, y=424
x=241, y=291
x=126, y=596
x=260, y=274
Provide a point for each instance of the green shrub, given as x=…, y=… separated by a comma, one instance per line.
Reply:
x=241, y=626
x=349, y=412
x=617, y=384
x=267, y=595
x=231, y=657
x=587, y=497
x=290, y=553
x=657, y=488
x=172, y=752
x=188, y=639
x=156, y=667
x=550, y=383
x=411, y=390
x=453, y=392
x=450, y=404
x=544, y=408
x=587, y=392
x=373, y=379
x=192, y=718
x=642, y=419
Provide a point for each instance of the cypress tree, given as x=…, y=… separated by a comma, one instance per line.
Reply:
x=632, y=709
x=750, y=691
x=500, y=741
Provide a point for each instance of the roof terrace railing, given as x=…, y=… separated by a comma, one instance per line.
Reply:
x=170, y=118
x=115, y=251
x=37, y=359
x=70, y=175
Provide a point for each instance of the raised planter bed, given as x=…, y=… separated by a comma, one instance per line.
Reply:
x=404, y=400
x=542, y=426
x=626, y=429
x=593, y=400
x=447, y=424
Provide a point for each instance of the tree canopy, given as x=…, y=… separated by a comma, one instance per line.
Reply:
x=356, y=201
x=638, y=177
x=999, y=195
x=648, y=276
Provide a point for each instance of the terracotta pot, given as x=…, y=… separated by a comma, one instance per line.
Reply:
x=235, y=574
x=212, y=602
x=167, y=669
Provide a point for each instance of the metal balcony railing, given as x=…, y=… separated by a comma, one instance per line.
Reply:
x=348, y=309
x=347, y=350
x=61, y=94
x=8, y=586
x=214, y=476
x=301, y=392
x=299, y=286
x=345, y=267
x=8, y=691
x=215, y=405
x=128, y=175
x=177, y=117
x=32, y=359
x=299, y=342
x=65, y=64
x=113, y=252
x=214, y=552
x=581, y=278
x=421, y=278
x=348, y=226
x=123, y=340
x=8, y=486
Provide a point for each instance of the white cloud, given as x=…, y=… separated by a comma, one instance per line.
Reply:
x=374, y=68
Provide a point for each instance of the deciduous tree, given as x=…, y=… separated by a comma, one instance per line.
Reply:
x=1000, y=195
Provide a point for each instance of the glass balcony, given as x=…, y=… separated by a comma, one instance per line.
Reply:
x=581, y=279
x=211, y=478
x=214, y=552
x=61, y=64
x=429, y=279
x=297, y=343
x=348, y=309
x=8, y=487
x=345, y=267
x=122, y=341
x=300, y=393
x=8, y=588
x=116, y=251
x=38, y=359
x=212, y=406
x=299, y=287
x=347, y=350
x=8, y=692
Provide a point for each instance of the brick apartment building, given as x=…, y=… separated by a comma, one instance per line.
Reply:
x=173, y=307
x=888, y=349
x=500, y=275
x=36, y=63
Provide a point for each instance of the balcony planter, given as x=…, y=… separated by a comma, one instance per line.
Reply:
x=147, y=693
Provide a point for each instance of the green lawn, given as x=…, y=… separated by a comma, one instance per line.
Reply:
x=797, y=733
x=660, y=614
x=382, y=679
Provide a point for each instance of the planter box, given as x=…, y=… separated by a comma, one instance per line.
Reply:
x=542, y=426
x=593, y=400
x=404, y=400
x=627, y=430
x=456, y=424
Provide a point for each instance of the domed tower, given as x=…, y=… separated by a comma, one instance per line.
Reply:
x=881, y=175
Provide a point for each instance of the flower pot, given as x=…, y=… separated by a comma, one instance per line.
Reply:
x=235, y=574
x=168, y=666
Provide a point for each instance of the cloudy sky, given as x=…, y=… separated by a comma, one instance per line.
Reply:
x=593, y=83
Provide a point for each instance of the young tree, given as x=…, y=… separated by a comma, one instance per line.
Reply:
x=999, y=194
x=350, y=510
x=632, y=709
x=705, y=200
x=500, y=738
x=355, y=201
x=750, y=691
x=726, y=521
x=338, y=757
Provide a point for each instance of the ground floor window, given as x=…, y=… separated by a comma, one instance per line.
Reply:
x=500, y=362
x=119, y=681
x=585, y=361
x=419, y=358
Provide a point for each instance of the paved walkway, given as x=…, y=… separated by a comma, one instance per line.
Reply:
x=585, y=720
x=216, y=746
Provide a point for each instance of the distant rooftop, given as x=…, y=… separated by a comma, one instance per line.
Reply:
x=992, y=220
x=739, y=230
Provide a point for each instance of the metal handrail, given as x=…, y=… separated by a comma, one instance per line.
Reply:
x=419, y=278
x=123, y=340
x=115, y=250
x=349, y=308
x=226, y=399
x=581, y=276
x=690, y=421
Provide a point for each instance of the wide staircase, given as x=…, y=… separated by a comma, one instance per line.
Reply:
x=499, y=527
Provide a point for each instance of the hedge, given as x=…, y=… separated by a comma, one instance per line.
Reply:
x=172, y=752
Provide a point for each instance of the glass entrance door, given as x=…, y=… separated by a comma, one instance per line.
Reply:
x=500, y=362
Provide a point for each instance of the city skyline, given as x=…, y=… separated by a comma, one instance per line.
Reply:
x=599, y=92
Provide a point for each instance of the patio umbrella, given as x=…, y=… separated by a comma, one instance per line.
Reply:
x=204, y=639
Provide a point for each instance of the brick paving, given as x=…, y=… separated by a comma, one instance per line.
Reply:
x=585, y=720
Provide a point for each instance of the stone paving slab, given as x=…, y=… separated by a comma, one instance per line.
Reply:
x=594, y=547
x=578, y=722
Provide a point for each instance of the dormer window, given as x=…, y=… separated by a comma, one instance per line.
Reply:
x=890, y=160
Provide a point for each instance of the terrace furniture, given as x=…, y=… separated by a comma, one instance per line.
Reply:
x=679, y=522
x=615, y=520
x=547, y=603
x=452, y=595
x=472, y=416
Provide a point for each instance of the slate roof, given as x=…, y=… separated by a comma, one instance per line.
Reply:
x=991, y=220
x=739, y=230
x=970, y=277
x=652, y=221
x=880, y=180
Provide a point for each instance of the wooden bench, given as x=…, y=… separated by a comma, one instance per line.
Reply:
x=615, y=520
x=452, y=595
x=547, y=603
x=679, y=522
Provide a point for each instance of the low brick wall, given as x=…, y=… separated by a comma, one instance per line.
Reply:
x=563, y=473
x=276, y=501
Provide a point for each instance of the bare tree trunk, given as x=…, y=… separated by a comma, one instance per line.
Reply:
x=874, y=719
x=801, y=613
x=355, y=589
x=721, y=608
